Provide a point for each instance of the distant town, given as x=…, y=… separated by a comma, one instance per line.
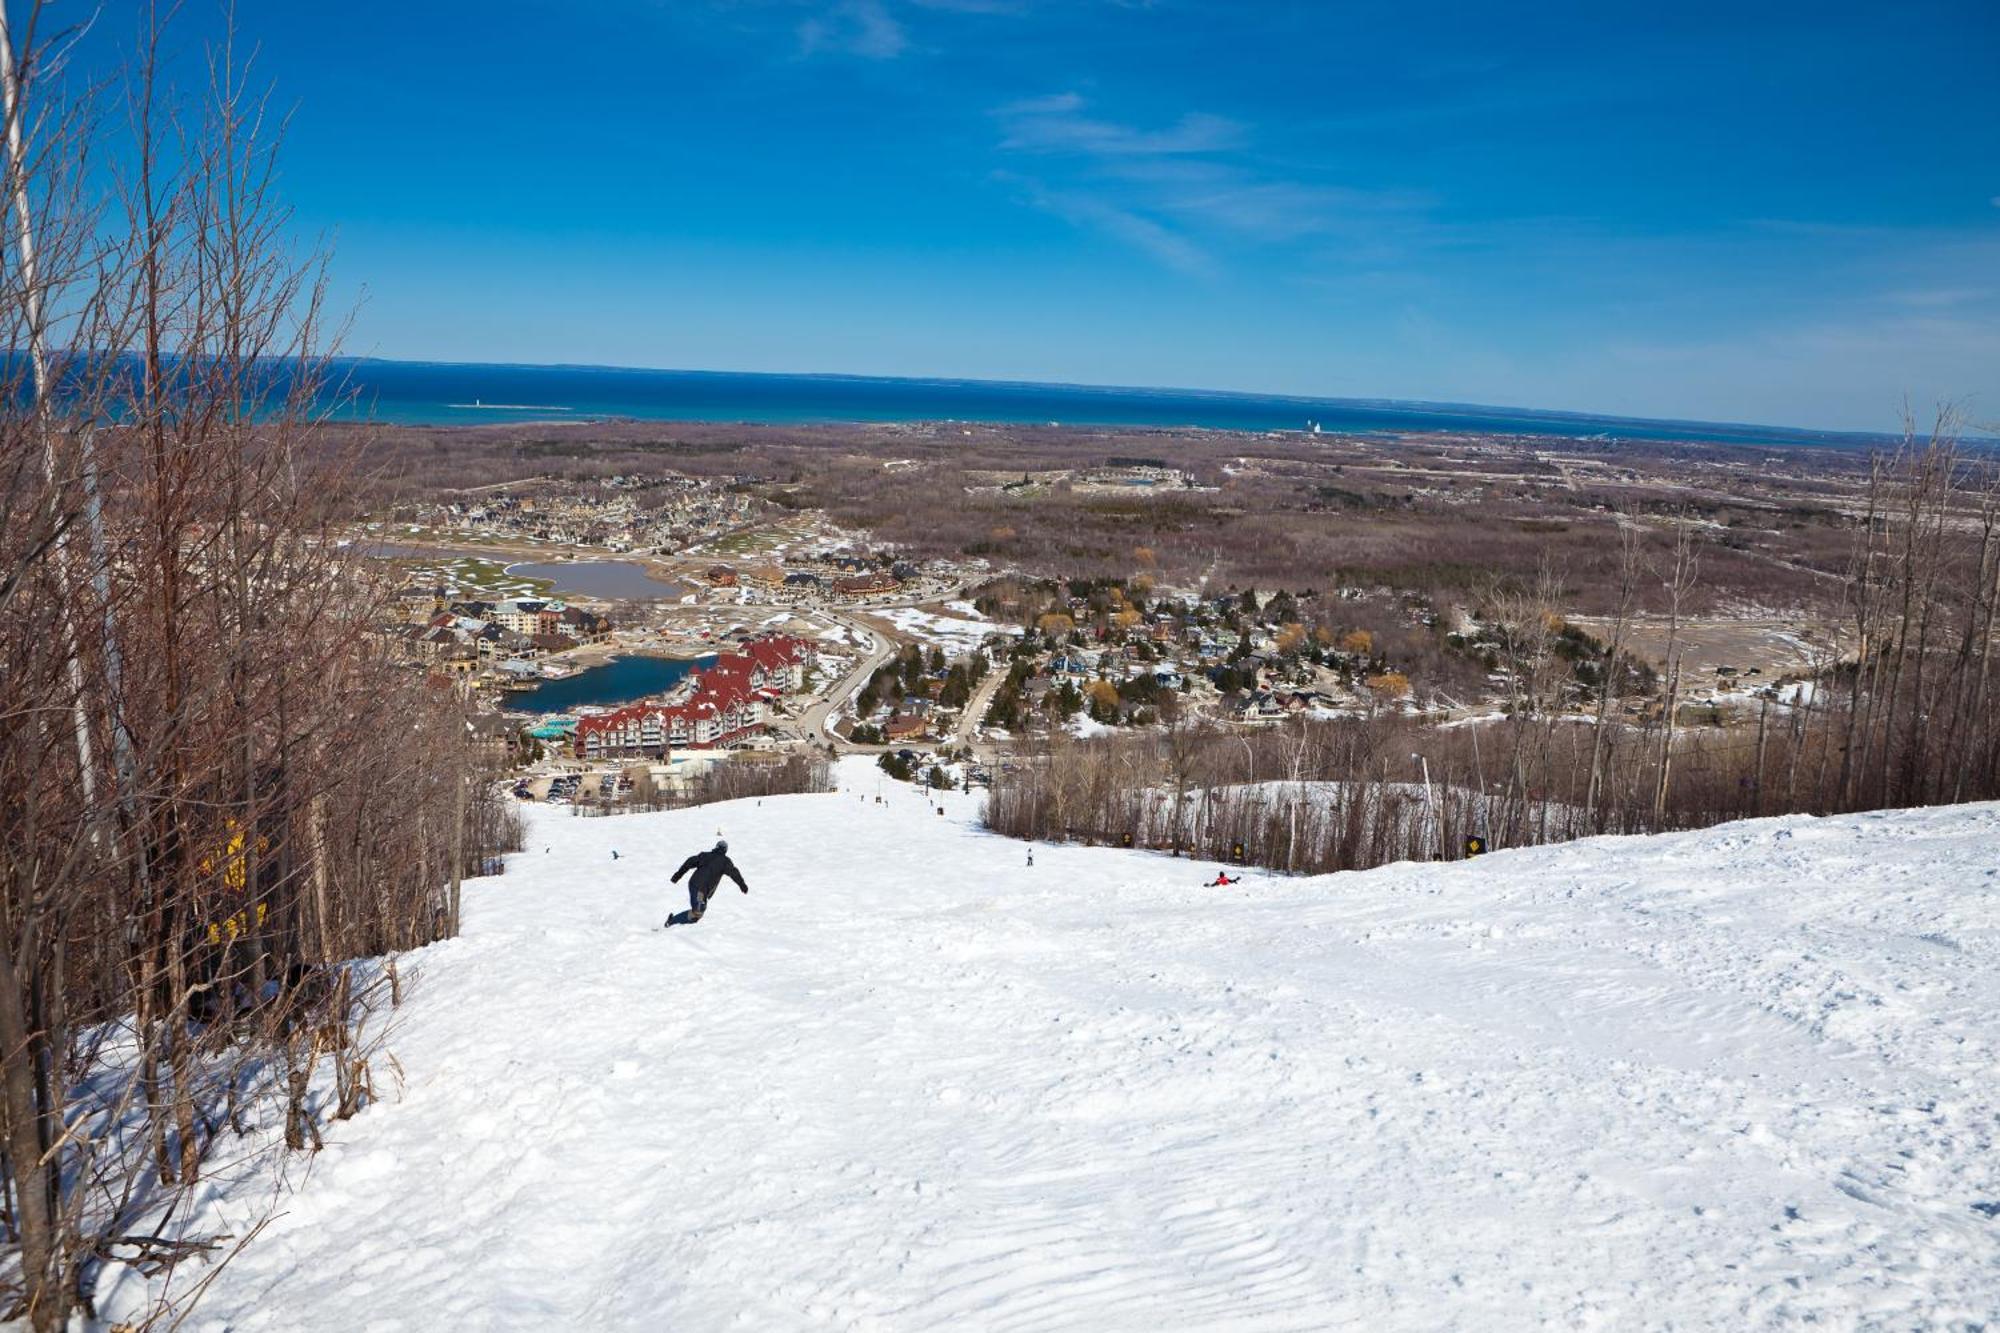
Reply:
x=779, y=630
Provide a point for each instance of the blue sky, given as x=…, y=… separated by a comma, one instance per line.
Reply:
x=1785, y=213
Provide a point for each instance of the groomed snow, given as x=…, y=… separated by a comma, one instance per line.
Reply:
x=1743, y=1078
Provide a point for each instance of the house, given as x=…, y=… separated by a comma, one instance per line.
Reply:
x=1264, y=706
x=720, y=576
x=907, y=723
x=419, y=604
x=432, y=644
x=583, y=626
x=865, y=585
x=507, y=643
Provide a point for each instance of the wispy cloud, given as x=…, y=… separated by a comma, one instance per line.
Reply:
x=1134, y=230
x=862, y=28
x=1938, y=298
x=975, y=6
x=1057, y=124
x=880, y=29
x=1231, y=197
x=1193, y=177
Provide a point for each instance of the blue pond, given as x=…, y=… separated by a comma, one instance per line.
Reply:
x=618, y=681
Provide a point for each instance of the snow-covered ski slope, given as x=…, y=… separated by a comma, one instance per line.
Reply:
x=1743, y=1078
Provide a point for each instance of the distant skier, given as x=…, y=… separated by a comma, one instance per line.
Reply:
x=614, y=853
x=709, y=867
x=1221, y=880
x=1031, y=858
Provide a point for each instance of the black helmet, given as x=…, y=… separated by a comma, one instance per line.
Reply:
x=721, y=846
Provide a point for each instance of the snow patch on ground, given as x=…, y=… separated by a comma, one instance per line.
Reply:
x=956, y=635
x=1086, y=726
x=1740, y=1078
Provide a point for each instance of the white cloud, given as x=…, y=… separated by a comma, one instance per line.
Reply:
x=1055, y=124
x=1147, y=235
x=974, y=6
x=1189, y=176
x=1937, y=298
x=1052, y=104
x=862, y=28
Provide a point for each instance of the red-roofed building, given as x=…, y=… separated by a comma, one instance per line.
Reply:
x=783, y=658
x=636, y=729
x=724, y=703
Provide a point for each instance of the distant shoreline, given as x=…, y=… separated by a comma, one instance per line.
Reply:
x=444, y=394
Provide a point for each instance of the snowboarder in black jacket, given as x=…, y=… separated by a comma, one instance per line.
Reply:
x=709, y=867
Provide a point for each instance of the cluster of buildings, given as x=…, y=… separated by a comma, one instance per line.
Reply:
x=842, y=578
x=466, y=635
x=722, y=705
x=660, y=514
x=1234, y=664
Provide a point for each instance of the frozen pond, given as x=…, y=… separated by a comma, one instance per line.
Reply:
x=613, y=580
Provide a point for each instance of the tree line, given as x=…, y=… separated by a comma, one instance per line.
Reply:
x=1904, y=716
x=216, y=793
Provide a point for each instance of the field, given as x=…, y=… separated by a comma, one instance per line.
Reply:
x=1770, y=647
x=472, y=576
x=1442, y=516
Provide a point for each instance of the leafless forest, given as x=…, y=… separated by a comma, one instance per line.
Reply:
x=794, y=774
x=213, y=794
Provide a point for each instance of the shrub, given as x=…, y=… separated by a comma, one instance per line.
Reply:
x=1394, y=684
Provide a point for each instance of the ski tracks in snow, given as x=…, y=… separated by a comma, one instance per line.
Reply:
x=1740, y=1078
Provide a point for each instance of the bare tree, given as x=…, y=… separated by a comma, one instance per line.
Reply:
x=1629, y=565
x=1679, y=581
x=215, y=789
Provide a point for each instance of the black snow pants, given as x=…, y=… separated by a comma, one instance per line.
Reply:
x=697, y=904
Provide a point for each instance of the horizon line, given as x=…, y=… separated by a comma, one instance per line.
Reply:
x=1252, y=395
